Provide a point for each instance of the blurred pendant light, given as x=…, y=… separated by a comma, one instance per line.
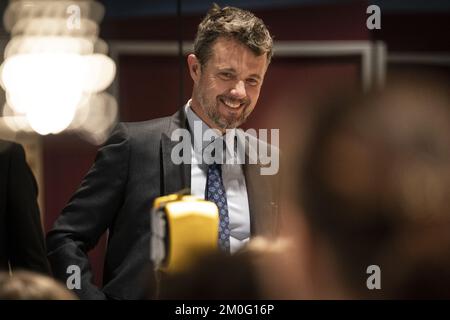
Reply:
x=56, y=68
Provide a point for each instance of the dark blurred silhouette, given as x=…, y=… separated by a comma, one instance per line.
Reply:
x=374, y=189
x=21, y=237
x=219, y=276
x=26, y=285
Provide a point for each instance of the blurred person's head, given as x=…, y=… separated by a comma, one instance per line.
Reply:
x=374, y=190
x=26, y=285
x=232, y=51
x=219, y=276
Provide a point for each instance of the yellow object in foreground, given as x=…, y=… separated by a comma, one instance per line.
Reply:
x=183, y=227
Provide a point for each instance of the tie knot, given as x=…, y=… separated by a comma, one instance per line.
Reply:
x=215, y=166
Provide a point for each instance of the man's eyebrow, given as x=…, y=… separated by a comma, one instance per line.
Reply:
x=257, y=76
x=227, y=70
x=232, y=70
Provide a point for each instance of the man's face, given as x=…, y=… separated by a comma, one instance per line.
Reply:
x=227, y=87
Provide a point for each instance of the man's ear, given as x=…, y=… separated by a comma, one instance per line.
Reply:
x=194, y=67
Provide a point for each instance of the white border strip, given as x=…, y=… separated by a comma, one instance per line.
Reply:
x=379, y=63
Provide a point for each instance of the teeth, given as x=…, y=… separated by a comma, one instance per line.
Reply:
x=231, y=104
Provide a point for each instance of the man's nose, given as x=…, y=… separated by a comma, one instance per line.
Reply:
x=239, y=90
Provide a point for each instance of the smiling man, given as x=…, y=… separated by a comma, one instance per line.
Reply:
x=232, y=51
x=227, y=85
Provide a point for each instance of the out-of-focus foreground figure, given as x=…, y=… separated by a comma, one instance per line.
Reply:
x=371, y=215
x=21, y=237
x=219, y=276
x=26, y=285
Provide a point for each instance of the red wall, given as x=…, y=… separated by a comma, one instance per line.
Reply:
x=67, y=158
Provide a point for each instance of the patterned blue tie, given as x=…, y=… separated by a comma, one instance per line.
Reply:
x=215, y=192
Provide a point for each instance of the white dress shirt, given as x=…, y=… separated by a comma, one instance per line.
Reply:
x=233, y=181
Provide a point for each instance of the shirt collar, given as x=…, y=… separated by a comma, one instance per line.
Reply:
x=194, y=122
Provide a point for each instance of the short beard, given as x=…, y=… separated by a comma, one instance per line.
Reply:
x=211, y=110
x=221, y=122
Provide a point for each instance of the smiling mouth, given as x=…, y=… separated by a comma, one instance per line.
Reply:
x=232, y=104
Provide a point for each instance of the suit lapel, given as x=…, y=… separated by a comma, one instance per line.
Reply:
x=260, y=191
x=260, y=201
x=175, y=176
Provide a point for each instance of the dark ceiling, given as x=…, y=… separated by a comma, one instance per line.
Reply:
x=126, y=9
x=120, y=8
x=134, y=8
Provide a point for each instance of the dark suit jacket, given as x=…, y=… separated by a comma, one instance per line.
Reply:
x=130, y=171
x=21, y=237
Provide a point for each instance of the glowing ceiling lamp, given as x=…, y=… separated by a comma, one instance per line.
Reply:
x=56, y=68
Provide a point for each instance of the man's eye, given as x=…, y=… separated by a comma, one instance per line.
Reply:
x=252, y=82
x=226, y=75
